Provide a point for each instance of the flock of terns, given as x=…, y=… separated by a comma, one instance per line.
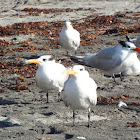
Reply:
x=77, y=88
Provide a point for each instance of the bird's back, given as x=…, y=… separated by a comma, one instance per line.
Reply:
x=69, y=39
x=106, y=60
x=52, y=76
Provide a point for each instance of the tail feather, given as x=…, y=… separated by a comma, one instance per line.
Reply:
x=79, y=60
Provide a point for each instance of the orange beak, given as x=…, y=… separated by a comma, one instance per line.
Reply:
x=67, y=26
x=137, y=49
x=35, y=61
x=71, y=71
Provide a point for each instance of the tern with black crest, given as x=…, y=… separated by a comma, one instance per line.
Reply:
x=113, y=60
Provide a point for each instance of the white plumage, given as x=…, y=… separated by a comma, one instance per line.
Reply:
x=50, y=75
x=79, y=90
x=69, y=38
x=113, y=60
x=134, y=69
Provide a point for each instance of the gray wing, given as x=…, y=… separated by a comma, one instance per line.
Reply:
x=107, y=59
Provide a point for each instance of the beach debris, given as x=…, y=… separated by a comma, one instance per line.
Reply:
x=81, y=138
x=122, y=104
x=21, y=79
x=8, y=121
x=134, y=102
x=45, y=138
x=133, y=124
x=103, y=100
x=17, y=87
x=122, y=97
x=114, y=98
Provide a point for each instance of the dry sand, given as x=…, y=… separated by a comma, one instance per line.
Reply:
x=24, y=112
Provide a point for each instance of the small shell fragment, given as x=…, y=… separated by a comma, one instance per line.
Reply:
x=122, y=104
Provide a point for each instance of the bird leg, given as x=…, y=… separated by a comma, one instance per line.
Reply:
x=67, y=53
x=59, y=97
x=73, y=118
x=113, y=76
x=75, y=53
x=121, y=78
x=41, y=97
x=47, y=95
x=89, y=112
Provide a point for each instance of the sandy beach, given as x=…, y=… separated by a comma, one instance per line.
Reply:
x=29, y=29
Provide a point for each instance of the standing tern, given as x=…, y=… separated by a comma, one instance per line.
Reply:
x=50, y=75
x=69, y=38
x=79, y=90
x=113, y=60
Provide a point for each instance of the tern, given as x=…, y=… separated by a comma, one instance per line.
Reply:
x=113, y=60
x=79, y=90
x=69, y=38
x=49, y=75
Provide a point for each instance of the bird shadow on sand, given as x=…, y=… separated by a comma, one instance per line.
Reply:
x=7, y=102
x=7, y=123
x=53, y=130
x=48, y=114
x=68, y=136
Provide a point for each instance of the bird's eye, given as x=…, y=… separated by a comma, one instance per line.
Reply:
x=81, y=69
x=44, y=59
x=128, y=46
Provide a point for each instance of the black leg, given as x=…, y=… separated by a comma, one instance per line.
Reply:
x=67, y=53
x=75, y=53
x=59, y=97
x=113, y=76
x=121, y=78
x=73, y=118
x=47, y=95
x=41, y=97
x=89, y=112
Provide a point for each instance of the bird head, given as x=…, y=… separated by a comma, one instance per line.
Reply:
x=129, y=46
x=41, y=59
x=67, y=24
x=77, y=70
